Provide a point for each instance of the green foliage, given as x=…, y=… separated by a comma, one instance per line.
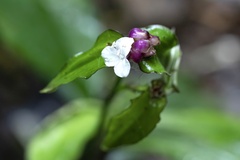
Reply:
x=169, y=54
x=199, y=133
x=167, y=37
x=36, y=32
x=165, y=59
x=136, y=122
x=152, y=65
x=85, y=64
x=63, y=134
x=43, y=34
x=192, y=127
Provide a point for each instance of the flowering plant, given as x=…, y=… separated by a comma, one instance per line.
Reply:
x=156, y=51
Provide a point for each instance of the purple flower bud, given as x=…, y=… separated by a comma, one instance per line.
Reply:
x=138, y=33
x=135, y=56
x=141, y=46
x=151, y=51
x=154, y=40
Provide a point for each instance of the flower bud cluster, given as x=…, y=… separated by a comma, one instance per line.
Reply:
x=143, y=45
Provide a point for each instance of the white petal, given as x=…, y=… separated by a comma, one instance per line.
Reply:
x=125, y=45
x=122, y=69
x=110, y=57
x=108, y=51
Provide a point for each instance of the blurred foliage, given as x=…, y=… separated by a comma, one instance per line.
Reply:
x=192, y=127
x=45, y=33
x=38, y=32
x=64, y=134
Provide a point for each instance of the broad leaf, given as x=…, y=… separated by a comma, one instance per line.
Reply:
x=83, y=65
x=65, y=133
x=136, y=122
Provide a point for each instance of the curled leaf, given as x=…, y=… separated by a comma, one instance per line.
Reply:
x=136, y=122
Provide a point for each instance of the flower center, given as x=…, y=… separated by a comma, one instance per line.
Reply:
x=121, y=56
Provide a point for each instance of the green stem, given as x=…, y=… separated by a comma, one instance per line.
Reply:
x=109, y=98
x=92, y=149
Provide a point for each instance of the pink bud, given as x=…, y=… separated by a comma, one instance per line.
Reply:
x=141, y=46
x=154, y=40
x=151, y=51
x=138, y=33
x=135, y=56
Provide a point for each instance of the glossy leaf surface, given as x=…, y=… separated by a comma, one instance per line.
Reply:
x=83, y=65
x=64, y=134
x=152, y=65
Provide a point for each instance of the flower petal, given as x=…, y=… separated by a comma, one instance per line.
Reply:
x=110, y=56
x=122, y=69
x=124, y=44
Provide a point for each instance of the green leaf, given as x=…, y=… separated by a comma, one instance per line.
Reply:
x=151, y=65
x=83, y=65
x=203, y=132
x=38, y=35
x=43, y=34
x=169, y=54
x=167, y=37
x=168, y=40
x=134, y=123
x=174, y=58
x=65, y=133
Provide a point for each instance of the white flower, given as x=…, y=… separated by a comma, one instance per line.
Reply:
x=116, y=56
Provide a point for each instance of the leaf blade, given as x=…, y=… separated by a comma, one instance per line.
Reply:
x=133, y=124
x=85, y=64
x=152, y=65
x=65, y=133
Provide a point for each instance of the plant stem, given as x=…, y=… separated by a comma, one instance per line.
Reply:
x=109, y=98
x=92, y=150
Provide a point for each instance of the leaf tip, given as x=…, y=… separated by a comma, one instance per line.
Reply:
x=47, y=90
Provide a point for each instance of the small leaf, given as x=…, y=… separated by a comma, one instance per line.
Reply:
x=167, y=37
x=65, y=133
x=85, y=64
x=169, y=54
x=151, y=65
x=134, y=123
x=174, y=58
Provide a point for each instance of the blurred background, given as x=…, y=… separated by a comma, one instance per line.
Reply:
x=201, y=123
